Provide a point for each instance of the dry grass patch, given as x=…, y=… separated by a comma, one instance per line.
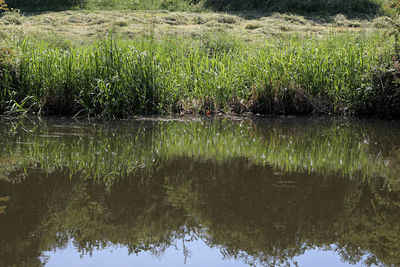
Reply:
x=86, y=26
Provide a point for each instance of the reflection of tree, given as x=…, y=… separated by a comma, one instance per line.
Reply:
x=247, y=211
x=31, y=204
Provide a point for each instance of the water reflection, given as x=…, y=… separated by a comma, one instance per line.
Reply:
x=111, y=151
x=149, y=185
x=202, y=256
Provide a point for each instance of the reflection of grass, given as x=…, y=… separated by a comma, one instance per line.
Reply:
x=108, y=152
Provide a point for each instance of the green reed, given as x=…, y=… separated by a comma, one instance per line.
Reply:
x=118, y=78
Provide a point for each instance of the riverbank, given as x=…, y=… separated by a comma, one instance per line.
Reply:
x=113, y=64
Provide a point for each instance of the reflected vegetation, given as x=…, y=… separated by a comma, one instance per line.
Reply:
x=119, y=149
x=262, y=191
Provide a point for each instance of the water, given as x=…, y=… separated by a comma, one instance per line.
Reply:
x=200, y=192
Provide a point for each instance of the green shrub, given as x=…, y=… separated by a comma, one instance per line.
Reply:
x=369, y=7
x=3, y=6
x=43, y=5
x=332, y=7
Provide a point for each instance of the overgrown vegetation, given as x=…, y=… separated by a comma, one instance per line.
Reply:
x=43, y=5
x=349, y=7
x=145, y=69
x=116, y=78
x=299, y=6
x=56, y=5
x=385, y=93
x=3, y=6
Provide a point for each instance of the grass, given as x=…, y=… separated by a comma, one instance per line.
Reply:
x=119, y=78
x=113, y=64
x=84, y=26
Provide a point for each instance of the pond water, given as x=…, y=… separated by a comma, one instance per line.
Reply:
x=200, y=192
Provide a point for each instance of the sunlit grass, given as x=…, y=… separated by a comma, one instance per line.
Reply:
x=119, y=78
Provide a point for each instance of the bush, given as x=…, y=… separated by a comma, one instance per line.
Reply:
x=384, y=95
x=43, y=5
x=3, y=6
x=383, y=98
x=333, y=7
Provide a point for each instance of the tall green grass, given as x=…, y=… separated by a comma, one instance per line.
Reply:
x=117, y=78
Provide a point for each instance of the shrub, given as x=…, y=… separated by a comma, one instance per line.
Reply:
x=348, y=7
x=42, y=5
x=3, y=6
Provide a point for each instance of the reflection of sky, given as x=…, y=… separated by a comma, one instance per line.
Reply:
x=201, y=255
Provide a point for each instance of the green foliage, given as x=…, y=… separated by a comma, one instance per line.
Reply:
x=8, y=64
x=350, y=7
x=3, y=6
x=43, y=5
x=7, y=58
x=384, y=95
x=115, y=78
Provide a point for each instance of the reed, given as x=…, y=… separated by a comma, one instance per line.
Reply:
x=119, y=78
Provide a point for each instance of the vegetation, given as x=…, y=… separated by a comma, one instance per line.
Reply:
x=386, y=79
x=320, y=64
x=111, y=152
x=116, y=78
x=90, y=63
x=350, y=7
x=3, y=6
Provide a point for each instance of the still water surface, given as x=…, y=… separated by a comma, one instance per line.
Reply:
x=200, y=192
